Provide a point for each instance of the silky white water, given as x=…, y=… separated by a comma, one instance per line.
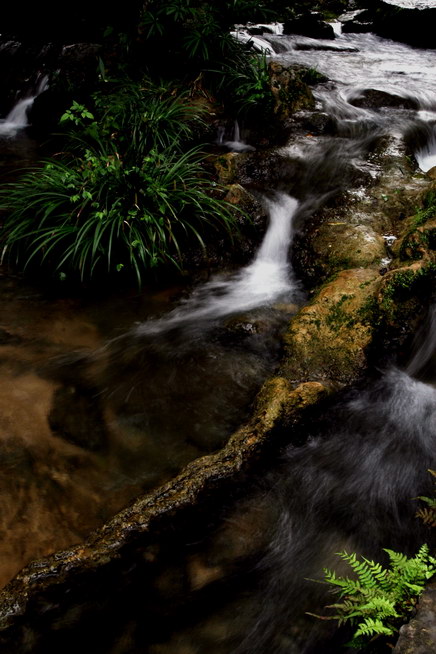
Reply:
x=17, y=118
x=265, y=281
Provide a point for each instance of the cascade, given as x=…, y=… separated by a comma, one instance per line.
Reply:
x=17, y=118
x=235, y=143
x=426, y=156
x=265, y=281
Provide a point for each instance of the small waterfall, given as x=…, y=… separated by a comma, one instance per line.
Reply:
x=256, y=42
x=267, y=280
x=426, y=156
x=235, y=143
x=337, y=27
x=17, y=118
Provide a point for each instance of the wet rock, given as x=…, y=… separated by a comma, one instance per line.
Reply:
x=45, y=602
x=226, y=167
x=356, y=27
x=374, y=99
x=326, y=340
x=418, y=240
x=315, y=122
x=339, y=245
x=419, y=635
x=363, y=214
x=310, y=25
x=352, y=22
x=290, y=92
x=268, y=168
x=6, y=338
x=258, y=30
x=431, y=174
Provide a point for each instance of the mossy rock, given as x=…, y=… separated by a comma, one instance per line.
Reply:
x=291, y=93
x=339, y=245
x=327, y=339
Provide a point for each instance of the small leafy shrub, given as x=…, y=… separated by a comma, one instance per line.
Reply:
x=99, y=214
x=142, y=115
x=194, y=34
x=378, y=600
x=246, y=85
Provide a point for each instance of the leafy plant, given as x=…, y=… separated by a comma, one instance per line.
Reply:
x=142, y=115
x=379, y=599
x=100, y=214
x=246, y=85
x=428, y=513
x=127, y=192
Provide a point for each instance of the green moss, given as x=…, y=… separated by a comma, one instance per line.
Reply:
x=413, y=246
x=427, y=211
x=337, y=316
x=400, y=297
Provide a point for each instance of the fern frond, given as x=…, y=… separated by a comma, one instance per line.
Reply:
x=381, y=607
x=428, y=516
x=370, y=627
x=380, y=574
x=397, y=559
x=361, y=569
x=423, y=553
x=346, y=585
x=379, y=595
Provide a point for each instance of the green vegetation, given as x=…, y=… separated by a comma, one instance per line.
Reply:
x=421, y=236
x=378, y=600
x=428, y=209
x=428, y=513
x=125, y=193
x=130, y=188
x=246, y=87
x=337, y=316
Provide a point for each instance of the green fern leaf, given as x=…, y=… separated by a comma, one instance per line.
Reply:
x=370, y=627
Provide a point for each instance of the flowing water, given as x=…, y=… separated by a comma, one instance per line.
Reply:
x=354, y=484
x=18, y=117
x=187, y=373
x=95, y=411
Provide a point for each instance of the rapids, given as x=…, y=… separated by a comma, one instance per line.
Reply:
x=352, y=484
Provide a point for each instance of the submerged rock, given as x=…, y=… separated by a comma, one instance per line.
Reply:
x=374, y=98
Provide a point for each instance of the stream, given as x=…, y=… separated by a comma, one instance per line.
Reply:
x=103, y=398
x=351, y=486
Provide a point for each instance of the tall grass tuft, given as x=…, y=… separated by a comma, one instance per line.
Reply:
x=125, y=193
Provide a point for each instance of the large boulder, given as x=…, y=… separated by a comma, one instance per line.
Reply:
x=310, y=25
x=409, y=21
x=291, y=93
